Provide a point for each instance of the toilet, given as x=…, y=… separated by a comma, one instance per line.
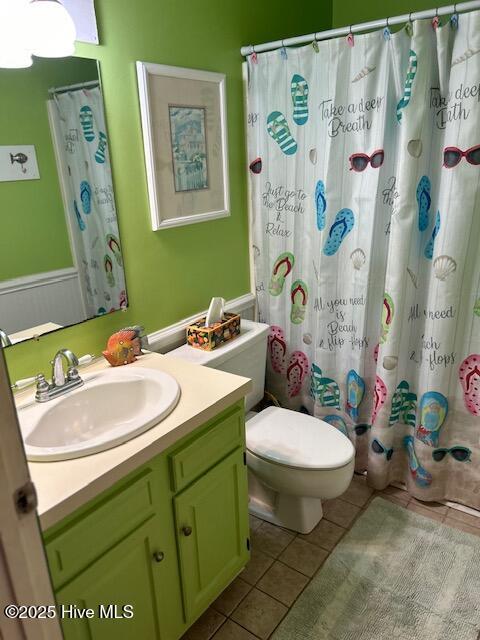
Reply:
x=295, y=460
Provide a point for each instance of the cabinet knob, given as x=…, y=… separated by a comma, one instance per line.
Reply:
x=187, y=531
x=158, y=556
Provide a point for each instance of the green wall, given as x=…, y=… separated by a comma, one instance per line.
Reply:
x=172, y=274
x=347, y=12
x=34, y=234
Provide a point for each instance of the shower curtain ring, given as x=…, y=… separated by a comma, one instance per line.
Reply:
x=254, y=55
x=350, y=38
x=315, y=43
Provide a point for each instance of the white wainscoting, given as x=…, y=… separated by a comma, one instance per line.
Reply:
x=174, y=336
x=29, y=301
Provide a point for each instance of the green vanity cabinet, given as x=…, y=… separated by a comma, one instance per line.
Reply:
x=166, y=539
x=124, y=575
x=212, y=526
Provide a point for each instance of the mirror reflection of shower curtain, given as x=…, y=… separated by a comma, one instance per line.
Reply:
x=90, y=202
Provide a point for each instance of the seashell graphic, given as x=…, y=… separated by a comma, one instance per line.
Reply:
x=415, y=148
x=358, y=258
x=465, y=56
x=413, y=277
x=390, y=362
x=443, y=266
x=256, y=166
x=362, y=73
x=313, y=156
x=307, y=338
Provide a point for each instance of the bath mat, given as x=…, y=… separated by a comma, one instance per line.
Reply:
x=395, y=576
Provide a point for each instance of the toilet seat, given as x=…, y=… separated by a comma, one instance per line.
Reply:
x=297, y=440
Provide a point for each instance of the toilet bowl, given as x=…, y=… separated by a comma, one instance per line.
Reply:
x=295, y=461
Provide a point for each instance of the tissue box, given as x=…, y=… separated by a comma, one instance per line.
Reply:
x=207, y=338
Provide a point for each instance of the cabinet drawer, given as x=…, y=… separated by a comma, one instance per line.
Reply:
x=93, y=533
x=225, y=433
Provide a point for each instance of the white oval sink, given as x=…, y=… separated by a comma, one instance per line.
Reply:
x=112, y=407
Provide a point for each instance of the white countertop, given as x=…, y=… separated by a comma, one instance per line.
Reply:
x=62, y=487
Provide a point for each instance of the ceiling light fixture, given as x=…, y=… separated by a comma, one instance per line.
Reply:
x=52, y=30
x=15, y=49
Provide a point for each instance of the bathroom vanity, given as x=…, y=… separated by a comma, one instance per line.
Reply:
x=157, y=525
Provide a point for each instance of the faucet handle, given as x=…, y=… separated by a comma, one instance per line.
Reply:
x=43, y=388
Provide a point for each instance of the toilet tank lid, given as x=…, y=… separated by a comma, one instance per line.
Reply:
x=250, y=332
x=297, y=440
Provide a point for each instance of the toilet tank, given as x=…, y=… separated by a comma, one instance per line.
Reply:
x=245, y=356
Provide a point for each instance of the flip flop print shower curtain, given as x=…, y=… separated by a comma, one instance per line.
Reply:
x=91, y=201
x=364, y=172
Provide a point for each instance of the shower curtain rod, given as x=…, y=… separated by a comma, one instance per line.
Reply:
x=72, y=87
x=460, y=7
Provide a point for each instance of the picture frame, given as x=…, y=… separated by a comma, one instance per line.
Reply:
x=184, y=126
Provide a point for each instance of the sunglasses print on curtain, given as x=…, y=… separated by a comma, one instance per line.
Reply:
x=453, y=155
x=379, y=448
x=360, y=161
x=459, y=453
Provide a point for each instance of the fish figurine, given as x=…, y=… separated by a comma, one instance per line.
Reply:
x=21, y=158
x=123, y=347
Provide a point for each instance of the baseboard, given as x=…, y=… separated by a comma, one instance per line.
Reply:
x=173, y=336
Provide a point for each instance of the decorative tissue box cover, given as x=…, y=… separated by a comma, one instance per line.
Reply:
x=207, y=338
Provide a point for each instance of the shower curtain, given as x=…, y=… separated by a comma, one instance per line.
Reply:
x=80, y=118
x=364, y=159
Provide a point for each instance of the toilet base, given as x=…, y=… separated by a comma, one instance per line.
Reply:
x=291, y=512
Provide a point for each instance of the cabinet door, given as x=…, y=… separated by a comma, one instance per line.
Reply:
x=125, y=575
x=212, y=529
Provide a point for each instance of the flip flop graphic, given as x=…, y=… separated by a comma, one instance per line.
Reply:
x=324, y=390
x=407, y=92
x=81, y=223
x=102, y=146
x=299, y=297
x=379, y=397
x=320, y=204
x=421, y=476
x=277, y=348
x=469, y=373
x=297, y=369
x=342, y=225
x=277, y=128
x=114, y=246
x=431, y=243
x=387, y=316
x=355, y=393
x=404, y=405
x=424, y=201
x=299, y=91
x=108, y=265
x=86, y=121
x=281, y=268
x=433, y=410
x=86, y=196
x=338, y=422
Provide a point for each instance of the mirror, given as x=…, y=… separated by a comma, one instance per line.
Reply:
x=60, y=254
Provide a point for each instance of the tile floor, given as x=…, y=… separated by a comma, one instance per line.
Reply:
x=283, y=563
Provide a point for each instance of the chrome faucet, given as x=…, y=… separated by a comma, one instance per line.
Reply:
x=4, y=339
x=61, y=382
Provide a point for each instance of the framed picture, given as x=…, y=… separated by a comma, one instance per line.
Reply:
x=185, y=140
